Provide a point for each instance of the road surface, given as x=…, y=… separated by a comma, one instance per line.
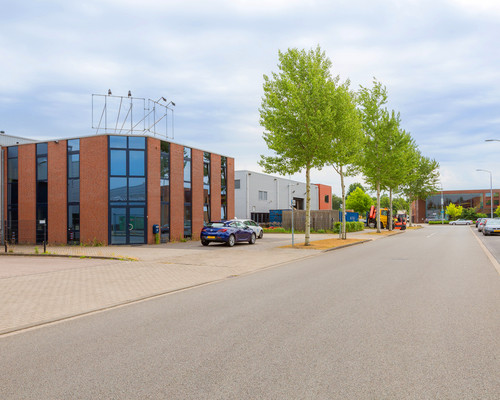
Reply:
x=414, y=316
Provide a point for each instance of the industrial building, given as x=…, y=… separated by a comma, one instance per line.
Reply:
x=257, y=193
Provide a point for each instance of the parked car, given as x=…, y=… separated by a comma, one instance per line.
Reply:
x=491, y=227
x=461, y=222
x=478, y=221
x=480, y=226
x=229, y=232
x=259, y=232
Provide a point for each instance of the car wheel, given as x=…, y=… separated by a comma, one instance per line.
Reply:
x=231, y=241
x=252, y=239
x=261, y=234
x=204, y=242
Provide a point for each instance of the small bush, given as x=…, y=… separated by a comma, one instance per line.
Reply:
x=350, y=226
x=275, y=230
x=438, y=222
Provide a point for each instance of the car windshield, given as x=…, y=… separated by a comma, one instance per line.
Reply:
x=215, y=225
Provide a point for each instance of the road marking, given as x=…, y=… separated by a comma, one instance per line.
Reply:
x=432, y=234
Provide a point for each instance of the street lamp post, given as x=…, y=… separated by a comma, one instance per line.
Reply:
x=491, y=189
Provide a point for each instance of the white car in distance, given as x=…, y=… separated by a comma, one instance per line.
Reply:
x=259, y=232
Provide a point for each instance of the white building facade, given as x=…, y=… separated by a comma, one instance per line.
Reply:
x=257, y=193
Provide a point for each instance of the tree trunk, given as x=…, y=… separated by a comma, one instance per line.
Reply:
x=343, y=224
x=409, y=213
x=378, y=207
x=308, y=206
x=389, y=223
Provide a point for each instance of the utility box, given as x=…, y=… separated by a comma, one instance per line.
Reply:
x=156, y=229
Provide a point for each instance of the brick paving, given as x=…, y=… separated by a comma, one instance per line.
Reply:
x=39, y=289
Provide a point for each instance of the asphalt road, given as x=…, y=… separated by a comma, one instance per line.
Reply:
x=414, y=316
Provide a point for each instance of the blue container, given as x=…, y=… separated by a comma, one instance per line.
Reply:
x=349, y=216
x=276, y=216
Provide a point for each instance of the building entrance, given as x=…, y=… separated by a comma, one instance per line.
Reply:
x=128, y=225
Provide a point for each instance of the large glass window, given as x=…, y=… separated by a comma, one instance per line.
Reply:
x=73, y=151
x=12, y=195
x=165, y=191
x=127, y=189
x=206, y=188
x=42, y=224
x=223, y=188
x=187, y=193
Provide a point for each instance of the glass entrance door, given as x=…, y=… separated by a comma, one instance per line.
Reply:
x=128, y=225
x=136, y=225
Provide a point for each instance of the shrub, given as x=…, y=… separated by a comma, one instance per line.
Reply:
x=351, y=226
x=438, y=222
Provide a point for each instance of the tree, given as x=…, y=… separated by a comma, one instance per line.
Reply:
x=336, y=202
x=399, y=146
x=346, y=138
x=377, y=125
x=353, y=186
x=454, y=211
x=297, y=117
x=497, y=212
x=422, y=179
x=469, y=213
x=359, y=201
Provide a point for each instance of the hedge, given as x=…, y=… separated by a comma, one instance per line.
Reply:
x=351, y=226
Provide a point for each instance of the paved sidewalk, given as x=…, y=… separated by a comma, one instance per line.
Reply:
x=43, y=289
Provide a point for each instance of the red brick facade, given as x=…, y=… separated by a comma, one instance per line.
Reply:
x=176, y=192
x=94, y=193
x=230, y=188
x=94, y=189
x=325, y=196
x=153, y=188
x=57, y=192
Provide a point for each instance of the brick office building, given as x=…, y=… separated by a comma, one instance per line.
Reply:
x=430, y=208
x=112, y=189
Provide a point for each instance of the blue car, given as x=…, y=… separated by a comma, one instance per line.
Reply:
x=229, y=232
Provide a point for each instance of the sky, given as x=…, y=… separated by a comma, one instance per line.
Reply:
x=439, y=60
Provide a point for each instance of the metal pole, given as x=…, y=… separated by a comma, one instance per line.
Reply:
x=45, y=237
x=491, y=193
x=293, y=241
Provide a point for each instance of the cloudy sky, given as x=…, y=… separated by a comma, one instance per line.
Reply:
x=440, y=62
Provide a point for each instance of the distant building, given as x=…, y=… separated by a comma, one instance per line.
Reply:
x=430, y=208
x=257, y=193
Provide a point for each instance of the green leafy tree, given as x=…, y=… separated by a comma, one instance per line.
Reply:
x=346, y=138
x=422, y=179
x=454, y=211
x=469, y=213
x=353, y=186
x=399, y=146
x=359, y=201
x=378, y=125
x=336, y=202
x=497, y=212
x=297, y=116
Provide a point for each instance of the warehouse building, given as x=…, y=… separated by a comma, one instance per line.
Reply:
x=257, y=193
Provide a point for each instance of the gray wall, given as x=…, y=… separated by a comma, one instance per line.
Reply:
x=280, y=192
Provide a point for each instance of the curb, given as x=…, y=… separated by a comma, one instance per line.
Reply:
x=66, y=256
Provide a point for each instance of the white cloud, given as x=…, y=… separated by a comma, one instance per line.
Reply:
x=437, y=59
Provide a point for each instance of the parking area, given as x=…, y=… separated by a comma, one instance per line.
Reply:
x=491, y=242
